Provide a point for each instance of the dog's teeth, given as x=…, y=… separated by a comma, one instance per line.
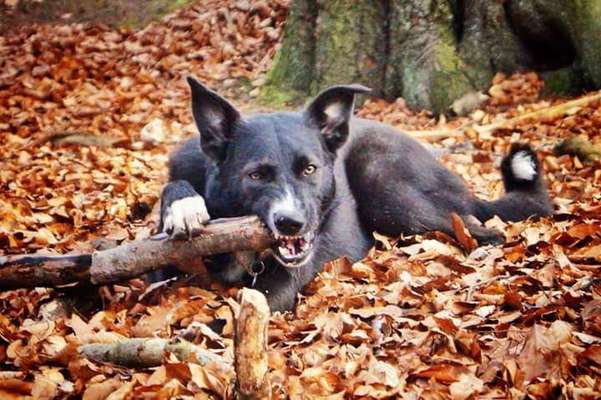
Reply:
x=293, y=247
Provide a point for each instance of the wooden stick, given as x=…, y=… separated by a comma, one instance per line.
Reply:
x=250, y=346
x=133, y=258
x=551, y=112
x=147, y=352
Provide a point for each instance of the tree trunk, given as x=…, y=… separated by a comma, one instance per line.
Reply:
x=350, y=42
x=563, y=33
x=295, y=64
x=424, y=66
x=432, y=52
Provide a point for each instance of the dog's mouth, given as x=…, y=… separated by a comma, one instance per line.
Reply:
x=293, y=251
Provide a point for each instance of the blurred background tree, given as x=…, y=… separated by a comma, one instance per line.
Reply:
x=432, y=52
x=132, y=13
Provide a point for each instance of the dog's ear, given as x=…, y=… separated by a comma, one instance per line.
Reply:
x=331, y=111
x=215, y=118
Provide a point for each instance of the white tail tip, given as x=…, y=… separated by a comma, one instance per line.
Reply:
x=523, y=166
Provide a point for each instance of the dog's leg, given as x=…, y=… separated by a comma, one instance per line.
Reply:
x=481, y=233
x=281, y=294
x=443, y=222
x=229, y=268
x=281, y=286
x=183, y=210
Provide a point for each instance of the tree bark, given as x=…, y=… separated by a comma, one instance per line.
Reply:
x=487, y=41
x=423, y=65
x=133, y=258
x=350, y=43
x=569, y=31
x=294, y=74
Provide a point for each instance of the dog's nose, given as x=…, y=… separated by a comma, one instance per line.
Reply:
x=288, y=224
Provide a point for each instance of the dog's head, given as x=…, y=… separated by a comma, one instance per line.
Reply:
x=279, y=166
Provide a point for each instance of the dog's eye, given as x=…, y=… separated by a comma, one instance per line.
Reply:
x=256, y=176
x=309, y=170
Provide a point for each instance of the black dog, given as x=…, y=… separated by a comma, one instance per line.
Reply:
x=323, y=181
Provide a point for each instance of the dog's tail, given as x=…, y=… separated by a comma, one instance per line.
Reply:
x=521, y=169
x=526, y=194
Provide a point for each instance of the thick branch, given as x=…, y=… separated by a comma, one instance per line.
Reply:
x=250, y=346
x=133, y=258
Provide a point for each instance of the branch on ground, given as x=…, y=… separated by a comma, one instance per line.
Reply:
x=546, y=113
x=580, y=147
x=250, y=349
x=250, y=346
x=147, y=352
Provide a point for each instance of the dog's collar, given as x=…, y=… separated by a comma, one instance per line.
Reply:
x=257, y=268
x=252, y=262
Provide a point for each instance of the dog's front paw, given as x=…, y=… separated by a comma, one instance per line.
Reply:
x=185, y=217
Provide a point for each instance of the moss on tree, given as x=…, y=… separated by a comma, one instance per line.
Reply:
x=351, y=46
x=424, y=55
x=292, y=71
x=563, y=81
x=586, y=30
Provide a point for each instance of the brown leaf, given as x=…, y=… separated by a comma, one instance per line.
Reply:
x=101, y=390
x=463, y=235
x=447, y=373
x=466, y=386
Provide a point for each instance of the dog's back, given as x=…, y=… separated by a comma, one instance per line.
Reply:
x=401, y=188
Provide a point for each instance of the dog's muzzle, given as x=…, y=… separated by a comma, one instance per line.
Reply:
x=293, y=251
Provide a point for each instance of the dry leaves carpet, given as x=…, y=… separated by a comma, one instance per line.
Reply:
x=87, y=117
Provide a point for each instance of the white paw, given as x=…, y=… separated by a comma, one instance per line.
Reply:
x=185, y=217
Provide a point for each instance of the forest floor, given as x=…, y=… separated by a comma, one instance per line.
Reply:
x=88, y=115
